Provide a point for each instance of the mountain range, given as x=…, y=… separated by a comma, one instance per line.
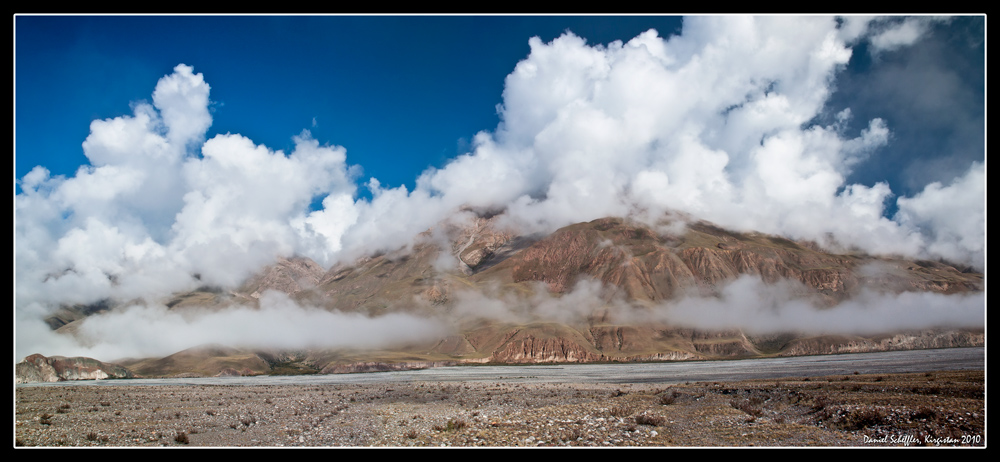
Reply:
x=613, y=289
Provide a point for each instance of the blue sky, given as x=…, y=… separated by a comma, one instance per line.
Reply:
x=157, y=154
x=400, y=93
x=405, y=93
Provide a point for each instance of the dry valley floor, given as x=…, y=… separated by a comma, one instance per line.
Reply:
x=934, y=408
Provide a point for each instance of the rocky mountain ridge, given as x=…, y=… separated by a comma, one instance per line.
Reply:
x=632, y=263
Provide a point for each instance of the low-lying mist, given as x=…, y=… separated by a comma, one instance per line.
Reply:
x=149, y=330
x=747, y=303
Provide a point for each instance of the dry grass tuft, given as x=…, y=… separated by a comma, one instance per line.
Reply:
x=649, y=419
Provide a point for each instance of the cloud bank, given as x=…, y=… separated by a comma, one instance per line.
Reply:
x=717, y=122
x=149, y=330
x=758, y=308
x=746, y=303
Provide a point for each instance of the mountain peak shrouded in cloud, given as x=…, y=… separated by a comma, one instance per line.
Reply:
x=719, y=122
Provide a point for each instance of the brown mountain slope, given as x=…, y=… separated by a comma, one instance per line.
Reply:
x=289, y=275
x=209, y=360
x=650, y=266
x=450, y=272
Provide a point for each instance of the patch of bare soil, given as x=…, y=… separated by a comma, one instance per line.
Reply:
x=935, y=408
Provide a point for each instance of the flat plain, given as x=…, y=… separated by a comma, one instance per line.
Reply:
x=944, y=408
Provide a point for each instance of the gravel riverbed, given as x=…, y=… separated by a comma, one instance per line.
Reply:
x=934, y=408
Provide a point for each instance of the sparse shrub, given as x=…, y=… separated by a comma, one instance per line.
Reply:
x=623, y=410
x=92, y=436
x=925, y=413
x=669, y=398
x=863, y=418
x=453, y=424
x=745, y=405
x=819, y=404
x=412, y=434
x=181, y=438
x=45, y=419
x=573, y=435
x=63, y=409
x=648, y=419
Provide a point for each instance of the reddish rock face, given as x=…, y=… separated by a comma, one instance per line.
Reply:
x=633, y=260
x=545, y=350
x=649, y=266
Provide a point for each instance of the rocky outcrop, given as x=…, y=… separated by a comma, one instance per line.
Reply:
x=288, y=275
x=67, y=314
x=926, y=339
x=377, y=366
x=38, y=368
x=530, y=349
x=477, y=241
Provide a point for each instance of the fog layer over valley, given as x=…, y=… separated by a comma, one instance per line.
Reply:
x=732, y=122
